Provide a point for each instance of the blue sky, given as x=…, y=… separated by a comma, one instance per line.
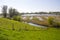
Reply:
x=32, y=5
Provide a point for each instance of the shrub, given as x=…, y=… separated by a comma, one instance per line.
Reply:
x=53, y=22
x=17, y=18
x=50, y=20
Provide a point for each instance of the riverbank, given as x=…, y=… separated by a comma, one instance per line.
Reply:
x=33, y=24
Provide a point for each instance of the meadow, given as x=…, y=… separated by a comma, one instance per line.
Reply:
x=14, y=30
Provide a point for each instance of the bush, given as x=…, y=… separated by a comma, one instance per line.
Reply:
x=53, y=22
x=50, y=20
x=17, y=18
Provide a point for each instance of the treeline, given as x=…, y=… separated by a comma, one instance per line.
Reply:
x=11, y=12
x=53, y=13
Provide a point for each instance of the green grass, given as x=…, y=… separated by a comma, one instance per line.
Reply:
x=33, y=33
x=10, y=24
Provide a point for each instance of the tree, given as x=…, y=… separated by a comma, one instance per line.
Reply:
x=10, y=12
x=4, y=11
x=13, y=12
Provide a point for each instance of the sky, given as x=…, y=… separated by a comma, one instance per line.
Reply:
x=32, y=5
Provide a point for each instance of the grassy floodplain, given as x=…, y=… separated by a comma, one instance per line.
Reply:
x=13, y=30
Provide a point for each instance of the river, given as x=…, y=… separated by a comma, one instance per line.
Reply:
x=36, y=25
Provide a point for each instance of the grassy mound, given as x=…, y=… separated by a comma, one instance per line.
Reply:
x=20, y=31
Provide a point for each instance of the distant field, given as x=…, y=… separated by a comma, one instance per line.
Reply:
x=24, y=31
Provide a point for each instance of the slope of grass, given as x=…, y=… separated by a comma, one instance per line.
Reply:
x=33, y=33
x=11, y=24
